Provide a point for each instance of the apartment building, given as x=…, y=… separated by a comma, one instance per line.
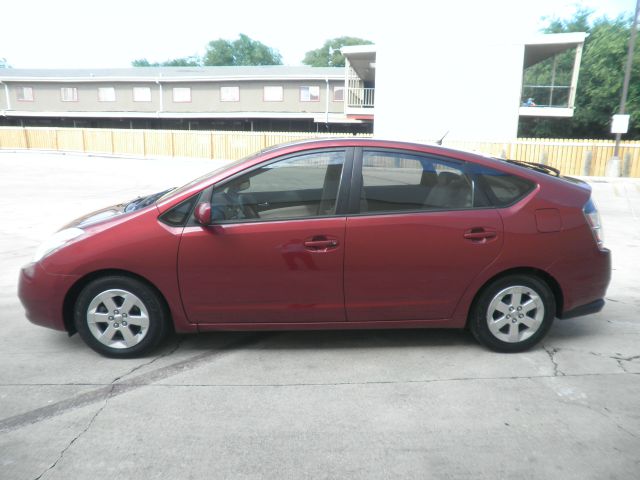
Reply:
x=274, y=98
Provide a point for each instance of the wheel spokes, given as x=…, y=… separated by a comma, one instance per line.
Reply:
x=118, y=318
x=515, y=314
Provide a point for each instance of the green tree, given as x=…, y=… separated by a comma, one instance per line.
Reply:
x=221, y=52
x=330, y=55
x=599, y=84
x=3, y=63
x=242, y=51
x=193, y=61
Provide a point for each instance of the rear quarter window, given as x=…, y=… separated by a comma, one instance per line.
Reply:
x=504, y=189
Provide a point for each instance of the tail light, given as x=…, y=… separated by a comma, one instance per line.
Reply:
x=593, y=219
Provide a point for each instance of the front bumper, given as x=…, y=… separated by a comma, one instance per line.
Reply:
x=42, y=295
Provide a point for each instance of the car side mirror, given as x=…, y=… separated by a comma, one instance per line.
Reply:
x=203, y=213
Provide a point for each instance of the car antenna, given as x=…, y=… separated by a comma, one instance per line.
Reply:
x=439, y=142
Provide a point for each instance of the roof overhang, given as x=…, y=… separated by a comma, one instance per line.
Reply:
x=316, y=117
x=544, y=46
x=161, y=79
x=362, y=59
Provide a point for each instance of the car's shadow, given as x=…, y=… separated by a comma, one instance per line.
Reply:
x=325, y=339
x=569, y=330
x=562, y=330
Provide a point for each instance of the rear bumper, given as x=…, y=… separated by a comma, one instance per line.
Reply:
x=583, y=279
x=42, y=295
x=588, y=309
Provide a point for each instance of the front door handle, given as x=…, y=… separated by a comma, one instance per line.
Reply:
x=320, y=243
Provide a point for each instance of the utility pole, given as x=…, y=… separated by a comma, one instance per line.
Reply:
x=613, y=169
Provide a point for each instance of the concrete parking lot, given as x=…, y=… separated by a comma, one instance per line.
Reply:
x=336, y=405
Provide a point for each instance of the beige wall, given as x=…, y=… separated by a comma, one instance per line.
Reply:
x=47, y=98
x=205, y=97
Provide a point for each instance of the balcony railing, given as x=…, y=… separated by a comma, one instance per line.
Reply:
x=360, y=97
x=546, y=96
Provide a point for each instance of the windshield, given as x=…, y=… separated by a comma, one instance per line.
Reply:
x=226, y=166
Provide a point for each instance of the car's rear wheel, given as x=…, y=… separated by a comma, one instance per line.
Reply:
x=120, y=316
x=513, y=313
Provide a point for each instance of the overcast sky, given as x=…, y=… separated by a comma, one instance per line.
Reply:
x=92, y=34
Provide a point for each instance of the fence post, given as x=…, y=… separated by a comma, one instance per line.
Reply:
x=544, y=156
x=626, y=165
x=144, y=143
x=588, y=159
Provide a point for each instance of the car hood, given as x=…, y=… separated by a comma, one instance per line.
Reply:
x=97, y=216
x=112, y=211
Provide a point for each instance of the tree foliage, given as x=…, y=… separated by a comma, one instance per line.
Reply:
x=599, y=84
x=3, y=63
x=242, y=51
x=193, y=61
x=330, y=55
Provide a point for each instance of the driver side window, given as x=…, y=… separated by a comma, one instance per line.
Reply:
x=297, y=187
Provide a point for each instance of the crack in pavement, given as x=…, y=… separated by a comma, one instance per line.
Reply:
x=552, y=356
x=77, y=437
x=621, y=365
x=617, y=357
x=115, y=389
x=626, y=359
x=325, y=384
x=153, y=360
x=601, y=413
x=106, y=400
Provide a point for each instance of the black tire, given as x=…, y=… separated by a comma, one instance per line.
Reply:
x=496, y=320
x=120, y=316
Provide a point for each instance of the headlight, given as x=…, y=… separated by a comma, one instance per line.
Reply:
x=56, y=241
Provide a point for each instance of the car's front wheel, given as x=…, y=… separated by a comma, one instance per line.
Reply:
x=512, y=313
x=120, y=316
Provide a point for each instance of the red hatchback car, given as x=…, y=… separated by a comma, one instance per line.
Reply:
x=349, y=233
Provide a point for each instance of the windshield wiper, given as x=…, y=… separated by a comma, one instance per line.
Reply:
x=540, y=167
x=141, y=202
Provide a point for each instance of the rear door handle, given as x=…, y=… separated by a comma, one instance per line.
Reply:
x=480, y=235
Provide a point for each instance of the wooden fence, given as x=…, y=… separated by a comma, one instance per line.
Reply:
x=572, y=157
x=149, y=143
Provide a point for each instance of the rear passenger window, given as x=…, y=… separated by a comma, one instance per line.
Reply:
x=504, y=189
x=399, y=182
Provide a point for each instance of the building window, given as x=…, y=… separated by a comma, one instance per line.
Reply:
x=141, y=94
x=106, y=94
x=181, y=94
x=25, y=94
x=273, y=94
x=229, y=94
x=338, y=93
x=310, y=94
x=69, y=94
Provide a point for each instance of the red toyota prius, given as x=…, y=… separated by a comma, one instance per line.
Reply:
x=330, y=234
